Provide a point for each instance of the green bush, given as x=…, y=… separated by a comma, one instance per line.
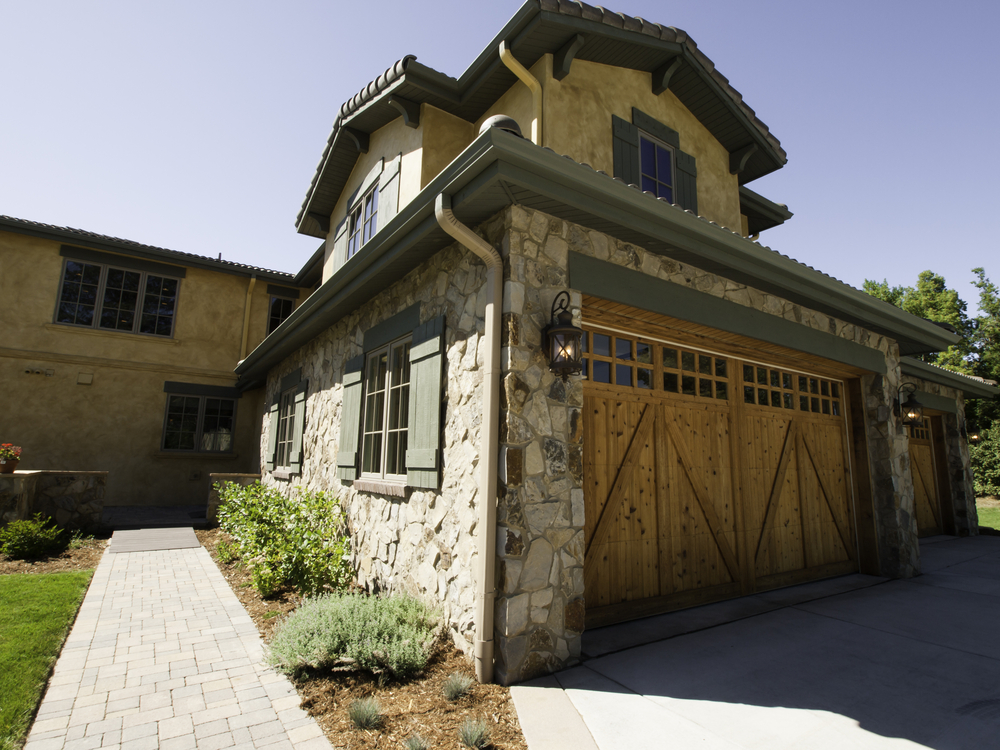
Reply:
x=31, y=538
x=365, y=713
x=985, y=458
x=387, y=636
x=474, y=733
x=299, y=541
x=227, y=552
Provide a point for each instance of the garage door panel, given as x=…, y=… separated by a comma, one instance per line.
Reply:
x=927, y=505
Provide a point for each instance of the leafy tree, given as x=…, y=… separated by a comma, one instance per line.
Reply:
x=881, y=290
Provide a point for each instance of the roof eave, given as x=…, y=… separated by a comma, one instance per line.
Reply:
x=971, y=387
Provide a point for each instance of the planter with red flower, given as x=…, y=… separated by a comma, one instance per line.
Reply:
x=10, y=454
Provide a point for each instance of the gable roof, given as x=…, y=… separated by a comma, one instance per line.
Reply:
x=499, y=169
x=971, y=386
x=540, y=27
x=84, y=238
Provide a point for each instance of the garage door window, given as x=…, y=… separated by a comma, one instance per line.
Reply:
x=766, y=386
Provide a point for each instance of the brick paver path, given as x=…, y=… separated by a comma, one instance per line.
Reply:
x=163, y=655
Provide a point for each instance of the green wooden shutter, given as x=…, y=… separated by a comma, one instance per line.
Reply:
x=298, y=427
x=625, y=139
x=350, y=421
x=424, y=426
x=388, y=192
x=686, y=190
x=272, y=436
x=340, y=244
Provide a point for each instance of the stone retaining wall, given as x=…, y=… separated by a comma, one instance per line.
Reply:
x=74, y=499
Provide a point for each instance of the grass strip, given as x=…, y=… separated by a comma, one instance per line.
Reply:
x=989, y=517
x=36, y=612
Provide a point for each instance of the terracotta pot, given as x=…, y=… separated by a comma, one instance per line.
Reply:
x=7, y=465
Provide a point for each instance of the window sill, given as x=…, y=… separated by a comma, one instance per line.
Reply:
x=197, y=454
x=380, y=487
x=284, y=474
x=65, y=328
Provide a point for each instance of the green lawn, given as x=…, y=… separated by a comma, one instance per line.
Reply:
x=989, y=517
x=36, y=611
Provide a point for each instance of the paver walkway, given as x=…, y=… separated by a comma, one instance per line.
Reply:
x=163, y=655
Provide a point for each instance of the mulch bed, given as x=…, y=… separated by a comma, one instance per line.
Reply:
x=86, y=557
x=418, y=706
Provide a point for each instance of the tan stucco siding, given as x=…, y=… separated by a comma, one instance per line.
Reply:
x=384, y=144
x=516, y=101
x=445, y=137
x=578, y=113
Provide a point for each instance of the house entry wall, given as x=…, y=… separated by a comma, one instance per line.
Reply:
x=707, y=474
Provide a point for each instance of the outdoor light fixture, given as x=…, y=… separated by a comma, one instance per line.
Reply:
x=974, y=437
x=565, y=355
x=910, y=410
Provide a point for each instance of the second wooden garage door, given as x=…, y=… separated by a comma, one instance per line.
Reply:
x=707, y=476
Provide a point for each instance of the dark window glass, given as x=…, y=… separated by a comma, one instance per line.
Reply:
x=826, y=406
x=803, y=384
x=182, y=423
x=776, y=399
x=803, y=403
x=825, y=388
x=158, y=303
x=656, y=165
x=705, y=388
x=813, y=385
x=644, y=378
x=775, y=379
x=834, y=390
x=623, y=375
x=602, y=371
x=623, y=349
x=643, y=353
x=121, y=296
x=362, y=222
x=602, y=345
x=720, y=368
x=721, y=390
x=815, y=405
x=704, y=364
x=836, y=408
x=281, y=308
x=670, y=382
x=688, y=385
x=79, y=293
x=762, y=396
x=761, y=376
x=748, y=394
x=789, y=403
x=687, y=361
x=670, y=358
x=786, y=380
x=748, y=373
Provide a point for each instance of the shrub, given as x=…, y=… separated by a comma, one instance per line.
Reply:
x=416, y=742
x=985, y=459
x=227, y=552
x=456, y=686
x=387, y=636
x=365, y=713
x=30, y=538
x=298, y=541
x=474, y=733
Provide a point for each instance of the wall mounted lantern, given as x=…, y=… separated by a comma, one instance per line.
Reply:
x=563, y=338
x=910, y=410
x=975, y=437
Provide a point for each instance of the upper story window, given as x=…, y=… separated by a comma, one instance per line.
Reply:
x=387, y=408
x=656, y=160
x=363, y=221
x=96, y=295
x=279, y=309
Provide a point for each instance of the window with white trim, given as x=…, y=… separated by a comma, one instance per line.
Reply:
x=363, y=221
x=199, y=423
x=386, y=412
x=656, y=165
x=95, y=295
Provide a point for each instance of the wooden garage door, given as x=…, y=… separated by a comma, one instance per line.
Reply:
x=926, y=498
x=707, y=476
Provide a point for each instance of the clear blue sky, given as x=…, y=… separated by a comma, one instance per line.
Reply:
x=198, y=126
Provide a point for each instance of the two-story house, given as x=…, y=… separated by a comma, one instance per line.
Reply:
x=119, y=357
x=737, y=424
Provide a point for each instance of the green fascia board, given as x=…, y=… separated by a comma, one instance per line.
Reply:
x=312, y=269
x=619, y=284
x=715, y=248
x=173, y=257
x=762, y=213
x=971, y=387
x=496, y=156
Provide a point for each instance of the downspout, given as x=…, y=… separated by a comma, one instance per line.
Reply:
x=532, y=83
x=246, y=318
x=489, y=436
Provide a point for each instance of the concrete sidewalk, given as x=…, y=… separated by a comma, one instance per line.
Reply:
x=163, y=655
x=897, y=664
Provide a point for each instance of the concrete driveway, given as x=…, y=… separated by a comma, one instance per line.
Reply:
x=855, y=662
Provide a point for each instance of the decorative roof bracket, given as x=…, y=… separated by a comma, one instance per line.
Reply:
x=358, y=137
x=663, y=74
x=322, y=219
x=564, y=57
x=408, y=109
x=738, y=159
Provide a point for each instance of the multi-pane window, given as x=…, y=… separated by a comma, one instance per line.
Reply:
x=199, y=423
x=634, y=363
x=286, y=428
x=280, y=308
x=920, y=432
x=768, y=386
x=363, y=221
x=656, y=164
x=386, y=411
x=116, y=299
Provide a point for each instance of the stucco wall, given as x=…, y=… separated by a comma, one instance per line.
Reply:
x=93, y=400
x=445, y=137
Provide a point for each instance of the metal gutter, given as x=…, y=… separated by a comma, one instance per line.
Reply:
x=971, y=387
x=762, y=213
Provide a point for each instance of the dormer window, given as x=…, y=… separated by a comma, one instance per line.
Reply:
x=656, y=161
x=363, y=221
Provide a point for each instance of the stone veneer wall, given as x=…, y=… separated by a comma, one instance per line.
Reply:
x=960, y=479
x=425, y=543
x=212, y=506
x=73, y=499
x=540, y=605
